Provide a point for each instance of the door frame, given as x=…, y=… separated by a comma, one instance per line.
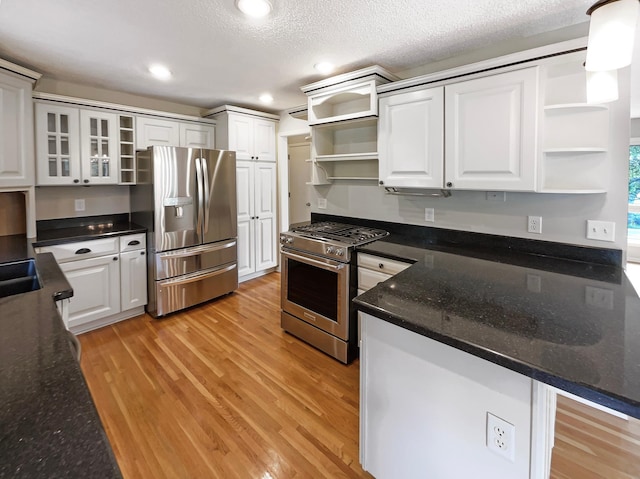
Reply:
x=283, y=175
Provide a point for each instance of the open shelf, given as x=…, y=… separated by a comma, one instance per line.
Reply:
x=127, y=150
x=354, y=101
x=348, y=157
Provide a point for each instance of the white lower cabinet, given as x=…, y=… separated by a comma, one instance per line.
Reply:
x=96, y=289
x=133, y=276
x=108, y=277
x=256, y=193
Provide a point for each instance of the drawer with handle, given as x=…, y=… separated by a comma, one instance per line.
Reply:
x=383, y=265
x=81, y=249
x=133, y=242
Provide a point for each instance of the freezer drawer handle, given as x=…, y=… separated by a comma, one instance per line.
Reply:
x=194, y=251
x=197, y=276
x=133, y=243
x=83, y=251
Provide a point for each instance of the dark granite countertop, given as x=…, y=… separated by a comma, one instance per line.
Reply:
x=70, y=230
x=49, y=426
x=571, y=324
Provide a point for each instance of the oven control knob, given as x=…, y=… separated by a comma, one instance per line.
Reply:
x=283, y=239
x=289, y=240
x=340, y=252
x=330, y=250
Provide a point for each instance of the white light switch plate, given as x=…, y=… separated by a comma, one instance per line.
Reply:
x=429, y=215
x=322, y=203
x=79, y=205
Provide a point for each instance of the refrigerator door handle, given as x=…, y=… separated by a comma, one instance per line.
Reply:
x=200, y=198
x=207, y=199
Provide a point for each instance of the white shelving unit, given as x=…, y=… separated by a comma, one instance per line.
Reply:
x=126, y=137
x=343, y=115
x=574, y=134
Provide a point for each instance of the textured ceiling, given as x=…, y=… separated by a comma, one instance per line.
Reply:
x=219, y=56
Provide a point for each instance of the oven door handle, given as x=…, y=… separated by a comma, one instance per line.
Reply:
x=321, y=264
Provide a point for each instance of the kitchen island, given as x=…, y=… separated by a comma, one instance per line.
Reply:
x=470, y=331
x=49, y=426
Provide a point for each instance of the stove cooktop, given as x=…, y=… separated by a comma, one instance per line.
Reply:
x=338, y=232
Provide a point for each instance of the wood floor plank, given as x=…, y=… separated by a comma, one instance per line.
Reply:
x=220, y=391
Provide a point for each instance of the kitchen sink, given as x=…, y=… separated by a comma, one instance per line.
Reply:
x=18, y=277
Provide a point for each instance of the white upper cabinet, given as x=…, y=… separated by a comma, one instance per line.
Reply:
x=57, y=144
x=16, y=133
x=156, y=132
x=252, y=138
x=76, y=146
x=251, y=134
x=411, y=139
x=193, y=135
x=99, y=147
x=491, y=132
x=478, y=134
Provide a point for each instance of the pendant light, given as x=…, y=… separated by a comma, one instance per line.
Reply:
x=611, y=34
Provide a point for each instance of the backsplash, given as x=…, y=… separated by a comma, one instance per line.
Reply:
x=54, y=202
x=13, y=216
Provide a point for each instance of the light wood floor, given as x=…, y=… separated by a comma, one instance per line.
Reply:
x=219, y=391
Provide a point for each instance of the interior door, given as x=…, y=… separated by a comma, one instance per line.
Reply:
x=219, y=196
x=176, y=198
x=299, y=175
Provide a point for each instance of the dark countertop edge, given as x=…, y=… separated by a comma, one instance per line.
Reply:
x=624, y=405
x=52, y=278
x=130, y=228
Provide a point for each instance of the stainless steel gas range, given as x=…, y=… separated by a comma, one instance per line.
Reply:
x=319, y=282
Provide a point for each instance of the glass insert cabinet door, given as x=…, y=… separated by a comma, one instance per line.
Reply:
x=57, y=145
x=99, y=150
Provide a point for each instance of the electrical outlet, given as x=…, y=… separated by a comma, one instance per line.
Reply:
x=501, y=437
x=534, y=224
x=79, y=205
x=429, y=214
x=322, y=203
x=601, y=230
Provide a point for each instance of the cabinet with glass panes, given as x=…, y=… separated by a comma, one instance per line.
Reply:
x=75, y=145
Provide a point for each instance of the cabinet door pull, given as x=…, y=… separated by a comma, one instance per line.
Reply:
x=76, y=180
x=133, y=243
x=83, y=251
x=141, y=253
x=115, y=258
x=380, y=265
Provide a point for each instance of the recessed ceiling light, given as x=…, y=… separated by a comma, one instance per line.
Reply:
x=266, y=98
x=160, y=72
x=254, y=8
x=324, y=67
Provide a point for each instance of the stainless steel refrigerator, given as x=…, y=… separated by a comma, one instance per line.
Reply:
x=186, y=198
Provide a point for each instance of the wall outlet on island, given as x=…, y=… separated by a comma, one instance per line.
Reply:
x=501, y=437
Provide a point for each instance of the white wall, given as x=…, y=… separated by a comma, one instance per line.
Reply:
x=59, y=201
x=635, y=128
x=563, y=216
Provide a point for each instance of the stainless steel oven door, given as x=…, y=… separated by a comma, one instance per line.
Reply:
x=316, y=290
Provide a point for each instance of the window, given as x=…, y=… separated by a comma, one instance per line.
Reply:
x=633, y=222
